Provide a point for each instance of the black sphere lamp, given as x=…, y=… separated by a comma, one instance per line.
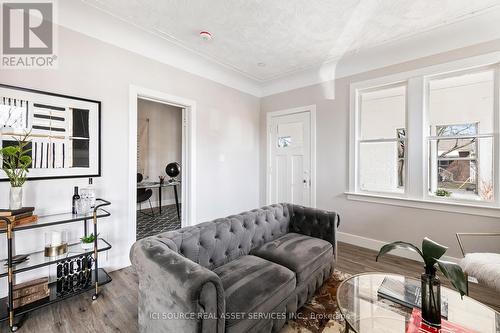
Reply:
x=173, y=170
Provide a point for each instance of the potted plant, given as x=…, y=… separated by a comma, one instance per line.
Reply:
x=431, y=254
x=15, y=163
x=441, y=192
x=87, y=242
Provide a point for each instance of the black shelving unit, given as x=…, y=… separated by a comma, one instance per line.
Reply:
x=38, y=260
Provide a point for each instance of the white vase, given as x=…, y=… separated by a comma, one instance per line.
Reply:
x=16, y=197
x=87, y=246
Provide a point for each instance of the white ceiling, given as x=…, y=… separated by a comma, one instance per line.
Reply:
x=288, y=35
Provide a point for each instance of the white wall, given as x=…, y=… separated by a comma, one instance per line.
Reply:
x=227, y=135
x=369, y=220
x=165, y=144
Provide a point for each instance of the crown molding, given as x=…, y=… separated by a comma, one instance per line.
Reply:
x=102, y=26
x=471, y=31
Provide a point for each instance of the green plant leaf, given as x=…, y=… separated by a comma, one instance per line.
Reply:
x=398, y=245
x=432, y=251
x=15, y=160
x=10, y=150
x=455, y=275
x=89, y=239
x=25, y=159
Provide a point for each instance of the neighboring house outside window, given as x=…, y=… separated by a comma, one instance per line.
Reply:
x=457, y=160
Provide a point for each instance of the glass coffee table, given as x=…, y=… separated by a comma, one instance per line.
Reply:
x=365, y=312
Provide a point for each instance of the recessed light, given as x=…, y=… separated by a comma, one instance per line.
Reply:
x=261, y=64
x=205, y=35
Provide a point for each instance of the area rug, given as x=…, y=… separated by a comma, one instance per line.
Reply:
x=154, y=225
x=321, y=314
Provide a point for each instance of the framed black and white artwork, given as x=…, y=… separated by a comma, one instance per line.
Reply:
x=64, y=131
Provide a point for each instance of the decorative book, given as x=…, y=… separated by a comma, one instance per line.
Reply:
x=18, y=216
x=416, y=325
x=9, y=212
x=31, y=298
x=407, y=293
x=21, y=221
x=30, y=291
x=30, y=287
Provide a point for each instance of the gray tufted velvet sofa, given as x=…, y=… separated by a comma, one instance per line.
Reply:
x=242, y=273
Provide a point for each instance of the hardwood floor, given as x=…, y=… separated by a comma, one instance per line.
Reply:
x=355, y=260
x=116, y=309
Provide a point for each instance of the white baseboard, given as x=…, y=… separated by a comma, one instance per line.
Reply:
x=374, y=244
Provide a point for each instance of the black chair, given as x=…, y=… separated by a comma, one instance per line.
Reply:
x=144, y=194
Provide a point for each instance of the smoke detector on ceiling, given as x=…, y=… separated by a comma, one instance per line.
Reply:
x=205, y=35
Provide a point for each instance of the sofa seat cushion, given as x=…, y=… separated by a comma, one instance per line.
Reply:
x=253, y=285
x=301, y=254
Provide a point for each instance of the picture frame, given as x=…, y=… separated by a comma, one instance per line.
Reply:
x=65, y=132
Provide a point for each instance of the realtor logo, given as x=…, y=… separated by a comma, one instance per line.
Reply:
x=28, y=35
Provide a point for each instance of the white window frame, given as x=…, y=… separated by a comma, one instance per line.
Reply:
x=417, y=158
x=495, y=68
x=358, y=93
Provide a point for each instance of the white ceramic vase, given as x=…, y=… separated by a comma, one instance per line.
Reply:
x=16, y=197
x=87, y=246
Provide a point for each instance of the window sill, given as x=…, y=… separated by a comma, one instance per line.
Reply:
x=443, y=206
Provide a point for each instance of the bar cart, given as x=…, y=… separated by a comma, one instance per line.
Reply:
x=97, y=277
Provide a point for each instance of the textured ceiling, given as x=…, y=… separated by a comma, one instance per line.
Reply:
x=287, y=35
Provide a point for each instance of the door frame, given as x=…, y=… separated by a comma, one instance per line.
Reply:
x=188, y=197
x=270, y=115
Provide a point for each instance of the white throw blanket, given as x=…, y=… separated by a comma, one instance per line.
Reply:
x=485, y=267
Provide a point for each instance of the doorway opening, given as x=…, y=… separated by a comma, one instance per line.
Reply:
x=159, y=165
x=148, y=153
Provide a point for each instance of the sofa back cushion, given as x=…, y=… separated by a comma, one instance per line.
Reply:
x=314, y=222
x=212, y=244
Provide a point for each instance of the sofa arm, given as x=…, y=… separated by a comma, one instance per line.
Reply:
x=316, y=223
x=175, y=293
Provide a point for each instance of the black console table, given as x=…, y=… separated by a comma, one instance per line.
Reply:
x=38, y=259
x=160, y=186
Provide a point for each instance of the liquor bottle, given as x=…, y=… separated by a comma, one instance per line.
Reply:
x=76, y=197
x=91, y=193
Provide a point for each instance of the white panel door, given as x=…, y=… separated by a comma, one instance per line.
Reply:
x=290, y=158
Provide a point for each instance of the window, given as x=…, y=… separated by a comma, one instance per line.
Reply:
x=461, y=135
x=382, y=139
x=290, y=135
x=427, y=136
x=454, y=161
